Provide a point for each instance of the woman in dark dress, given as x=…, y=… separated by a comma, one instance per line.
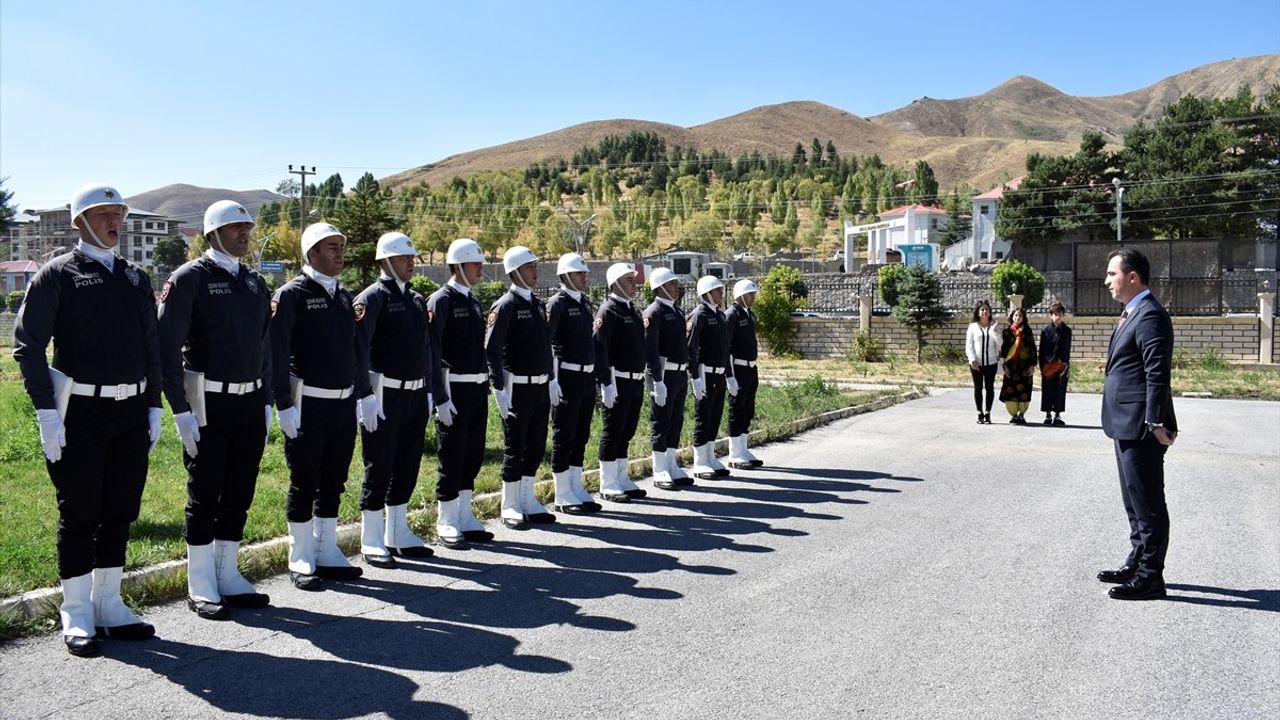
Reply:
x=1055, y=359
x=1018, y=358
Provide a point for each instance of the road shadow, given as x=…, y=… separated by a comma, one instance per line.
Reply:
x=1268, y=600
x=690, y=533
x=840, y=474
x=608, y=559
x=416, y=645
x=251, y=683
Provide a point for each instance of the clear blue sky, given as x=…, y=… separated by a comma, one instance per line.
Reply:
x=226, y=94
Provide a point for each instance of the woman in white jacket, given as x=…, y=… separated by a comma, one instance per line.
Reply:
x=982, y=347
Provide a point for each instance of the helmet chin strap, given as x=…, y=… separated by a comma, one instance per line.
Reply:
x=216, y=243
x=461, y=276
x=93, y=236
x=518, y=279
x=389, y=269
x=618, y=288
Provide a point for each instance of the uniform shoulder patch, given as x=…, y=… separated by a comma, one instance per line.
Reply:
x=359, y=309
x=688, y=327
x=164, y=292
x=275, y=305
x=431, y=315
x=599, y=323
x=646, y=322
x=492, y=318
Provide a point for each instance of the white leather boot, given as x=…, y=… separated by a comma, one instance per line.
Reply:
x=330, y=560
x=302, y=555
x=701, y=464
x=235, y=590
x=512, y=514
x=673, y=467
x=589, y=503
x=373, y=532
x=472, y=529
x=114, y=619
x=714, y=462
x=76, y=613
x=447, y=523
x=661, y=476
x=566, y=499
x=632, y=490
x=202, y=584
x=399, y=538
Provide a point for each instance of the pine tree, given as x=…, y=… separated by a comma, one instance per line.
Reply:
x=920, y=304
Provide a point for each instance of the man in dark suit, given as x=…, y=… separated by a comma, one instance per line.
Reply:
x=1137, y=413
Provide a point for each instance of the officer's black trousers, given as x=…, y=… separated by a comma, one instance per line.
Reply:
x=221, y=478
x=393, y=454
x=620, y=421
x=525, y=431
x=571, y=419
x=460, y=450
x=98, y=482
x=1141, y=466
x=708, y=411
x=667, y=421
x=319, y=458
x=742, y=407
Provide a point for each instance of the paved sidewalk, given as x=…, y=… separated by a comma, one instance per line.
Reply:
x=903, y=563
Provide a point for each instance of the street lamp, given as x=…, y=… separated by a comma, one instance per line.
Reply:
x=1119, y=208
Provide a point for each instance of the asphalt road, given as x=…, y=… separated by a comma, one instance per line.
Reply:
x=904, y=563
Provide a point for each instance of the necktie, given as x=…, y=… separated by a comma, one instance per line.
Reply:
x=1123, y=316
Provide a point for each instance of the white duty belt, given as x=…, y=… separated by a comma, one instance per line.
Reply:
x=529, y=379
x=326, y=393
x=123, y=391
x=628, y=375
x=394, y=384
x=676, y=367
x=712, y=369
x=231, y=388
x=577, y=368
x=472, y=378
x=744, y=363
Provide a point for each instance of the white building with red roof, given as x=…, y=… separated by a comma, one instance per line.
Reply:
x=984, y=246
x=913, y=225
x=15, y=275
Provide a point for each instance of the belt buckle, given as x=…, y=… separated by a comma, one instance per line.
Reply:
x=120, y=392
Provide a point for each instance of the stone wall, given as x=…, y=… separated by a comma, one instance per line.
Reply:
x=6, y=328
x=1235, y=338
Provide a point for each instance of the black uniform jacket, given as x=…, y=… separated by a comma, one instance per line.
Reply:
x=391, y=324
x=518, y=339
x=619, y=336
x=313, y=338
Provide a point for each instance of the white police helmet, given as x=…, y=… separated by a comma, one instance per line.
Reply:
x=223, y=213
x=94, y=195
x=517, y=257
x=571, y=263
x=617, y=271
x=464, y=250
x=659, y=277
x=707, y=283
x=393, y=244
x=743, y=287
x=316, y=232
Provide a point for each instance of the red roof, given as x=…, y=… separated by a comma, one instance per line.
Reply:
x=926, y=209
x=18, y=266
x=998, y=192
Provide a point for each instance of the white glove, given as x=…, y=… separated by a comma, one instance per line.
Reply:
x=431, y=404
x=189, y=431
x=503, y=398
x=290, y=421
x=660, y=393
x=553, y=390
x=446, y=412
x=608, y=395
x=699, y=388
x=267, y=409
x=153, y=426
x=732, y=384
x=368, y=410
x=53, y=434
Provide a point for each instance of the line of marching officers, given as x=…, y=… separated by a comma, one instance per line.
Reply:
x=224, y=351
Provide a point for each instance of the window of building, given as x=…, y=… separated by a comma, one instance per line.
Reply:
x=933, y=223
x=148, y=254
x=137, y=256
x=982, y=209
x=151, y=226
x=983, y=255
x=999, y=255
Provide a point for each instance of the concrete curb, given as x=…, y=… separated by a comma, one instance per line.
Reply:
x=271, y=556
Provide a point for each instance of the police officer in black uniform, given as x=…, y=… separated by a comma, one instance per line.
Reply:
x=572, y=388
x=391, y=322
x=620, y=367
x=457, y=326
x=668, y=357
x=98, y=410
x=742, y=356
x=318, y=372
x=518, y=348
x=216, y=366
x=711, y=373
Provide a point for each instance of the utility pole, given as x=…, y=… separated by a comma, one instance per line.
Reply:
x=1119, y=208
x=580, y=229
x=302, y=194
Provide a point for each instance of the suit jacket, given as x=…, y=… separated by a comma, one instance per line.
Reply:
x=1139, y=359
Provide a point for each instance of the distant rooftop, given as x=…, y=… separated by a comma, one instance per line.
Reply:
x=997, y=193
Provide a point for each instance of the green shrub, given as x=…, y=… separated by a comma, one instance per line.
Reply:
x=947, y=354
x=423, y=285
x=487, y=293
x=777, y=300
x=1212, y=361
x=1179, y=359
x=866, y=347
x=1013, y=277
x=888, y=280
x=14, y=301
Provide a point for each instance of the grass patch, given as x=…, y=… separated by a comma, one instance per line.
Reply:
x=28, y=514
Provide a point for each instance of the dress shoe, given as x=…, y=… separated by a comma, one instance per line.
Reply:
x=637, y=493
x=206, y=610
x=413, y=551
x=540, y=518
x=81, y=646
x=981, y=418
x=303, y=581
x=130, y=632
x=453, y=543
x=574, y=509
x=1123, y=575
x=616, y=497
x=591, y=506
x=1059, y=422
x=477, y=535
x=338, y=572
x=1048, y=420
x=666, y=484
x=1139, y=588
x=251, y=601
x=380, y=561
x=683, y=482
